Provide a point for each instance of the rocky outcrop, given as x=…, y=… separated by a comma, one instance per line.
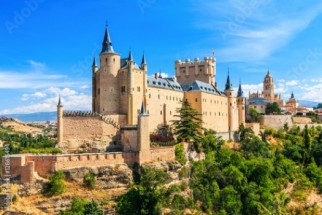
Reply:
x=113, y=176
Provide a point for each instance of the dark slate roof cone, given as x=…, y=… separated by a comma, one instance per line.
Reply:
x=143, y=112
x=240, y=91
x=107, y=43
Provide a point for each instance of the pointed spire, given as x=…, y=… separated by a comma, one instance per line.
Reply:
x=107, y=43
x=59, y=102
x=143, y=60
x=228, y=84
x=94, y=63
x=130, y=58
x=240, y=91
x=292, y=95
x=142, y=112
x=268, y=73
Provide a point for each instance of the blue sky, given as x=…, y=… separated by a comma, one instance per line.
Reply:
x=47, y=47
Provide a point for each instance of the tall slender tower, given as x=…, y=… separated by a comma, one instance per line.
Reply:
x=229, y=91
x=268, y=87
x=143, y=136
x=108, y=88
x=241, y=105
x=60, y=129
x=94, y=87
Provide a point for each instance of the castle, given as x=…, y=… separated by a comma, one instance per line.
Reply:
x=119, y=86
x=127, y=105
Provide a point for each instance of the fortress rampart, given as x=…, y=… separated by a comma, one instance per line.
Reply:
x=28, y=166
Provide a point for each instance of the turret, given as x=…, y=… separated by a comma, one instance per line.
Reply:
x=143, y=136
x=144, y=65
x=241, y=105
x=94, y=88
x=108, y=90
x=59, y=121
x=229, y=91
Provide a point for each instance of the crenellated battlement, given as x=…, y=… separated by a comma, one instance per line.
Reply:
x=202, y=70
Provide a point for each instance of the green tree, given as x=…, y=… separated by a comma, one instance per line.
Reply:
x=77, y=207
x=89, y=180
x=319, y=106
x=56, y=183
x=92, y=208
x=254, y=115
x=307, y=144
x=188, y=126
x=145, y=197
x=273, y=109
x=230, y=200
x=180, y=155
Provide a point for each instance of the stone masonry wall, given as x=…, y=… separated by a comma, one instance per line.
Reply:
x=44, y=165
x=89, y=129
x=275, y=121
x=162, y=153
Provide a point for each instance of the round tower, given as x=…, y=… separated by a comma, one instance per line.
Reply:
x=94, y=86
x=60, y=129
x=268, y=85
x=241, y=101
x=229, y=92
x=108, y=87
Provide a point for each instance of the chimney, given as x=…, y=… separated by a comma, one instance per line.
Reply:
x=156, y=75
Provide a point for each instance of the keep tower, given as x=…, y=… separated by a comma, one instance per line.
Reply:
x=107, y=91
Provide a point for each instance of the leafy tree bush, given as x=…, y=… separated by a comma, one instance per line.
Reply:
x=92, y=208
x=272, y=108
x=89, y=180
x=180, y=155
x=56, y=183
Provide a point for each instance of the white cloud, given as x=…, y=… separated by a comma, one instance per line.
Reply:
x=311, y=93
x=246, y=29
x=71, y=100
x=292, y=83
x=84, y=87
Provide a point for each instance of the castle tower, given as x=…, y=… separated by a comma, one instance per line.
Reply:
x=229, y=92
x=268, y=85
x=204, y=70
x=241, y=105
x=108, y=88
x=144, y=65
x=143, y=136
x=94, y=87
x=60, y=129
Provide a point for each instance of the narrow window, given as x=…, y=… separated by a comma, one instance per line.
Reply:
x=123, y=89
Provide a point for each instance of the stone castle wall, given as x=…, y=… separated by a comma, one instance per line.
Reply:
x=27, y=166
x=162, y=153
x=275, y=121
x=90, y=129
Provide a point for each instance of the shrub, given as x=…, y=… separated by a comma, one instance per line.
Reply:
x=89, y=180
x=56, y=183
x=183, y=173
x=179, y=153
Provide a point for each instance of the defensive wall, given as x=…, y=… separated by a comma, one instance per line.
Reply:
x=27, y=166
x=81, y=127
x=275, y=121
